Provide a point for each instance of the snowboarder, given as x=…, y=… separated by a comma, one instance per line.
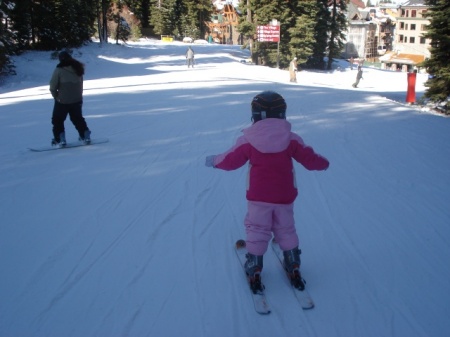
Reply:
x=293, y=70
x=66, y=87
x=190, y=57
x=269, y=146
x=358, y=77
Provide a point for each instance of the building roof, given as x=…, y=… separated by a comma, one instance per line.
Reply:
x=414, y=3
x=219, y=4
x=357, y=3
x=402, y=58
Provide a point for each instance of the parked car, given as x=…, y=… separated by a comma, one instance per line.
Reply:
x=201, y=41
x=381, y=50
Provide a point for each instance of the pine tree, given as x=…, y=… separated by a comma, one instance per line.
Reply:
x=64, y=33
x=260, y=13
x=62, y=23
x=122, y=30
x=321, y=35
x=197, y=13
x=86, y=17
x=180, y=17
x=163, y=16
x=103, y=11
x=44, y=25
x=7, y=46
x=438, y=64
x=189, y=21
x=52, y=24
x=338, y=24
x=304, y=28
x=140, y=9
x=21, y=18
x=245, y=24
x=302, y=32
x=264, y=12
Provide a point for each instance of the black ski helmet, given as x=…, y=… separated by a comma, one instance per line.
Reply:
x=64, y=56
x=268, y=104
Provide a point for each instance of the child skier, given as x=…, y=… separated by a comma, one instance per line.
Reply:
x=269, y=146
x=190, y=57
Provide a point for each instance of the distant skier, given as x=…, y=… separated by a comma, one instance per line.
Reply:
x=269, y=146
x=293, y=70
x=66, y=87
x=358, y=77
x=190, y=57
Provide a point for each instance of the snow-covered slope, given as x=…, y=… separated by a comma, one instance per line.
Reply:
x=135, y=237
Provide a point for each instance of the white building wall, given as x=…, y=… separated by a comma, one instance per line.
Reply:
x=411, y=25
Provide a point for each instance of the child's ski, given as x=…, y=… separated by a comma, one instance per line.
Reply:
x=258, y=297
x=302, y=296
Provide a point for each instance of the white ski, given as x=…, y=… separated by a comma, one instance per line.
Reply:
x=303, y=296
x=258, y=297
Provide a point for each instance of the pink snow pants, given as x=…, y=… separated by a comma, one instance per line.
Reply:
x=263, y=219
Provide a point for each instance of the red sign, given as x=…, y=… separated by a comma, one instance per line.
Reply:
x=268, y=33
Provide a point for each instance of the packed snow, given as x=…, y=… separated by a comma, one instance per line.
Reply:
x=135, y=237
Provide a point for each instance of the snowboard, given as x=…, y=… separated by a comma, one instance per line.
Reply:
x=69, y=145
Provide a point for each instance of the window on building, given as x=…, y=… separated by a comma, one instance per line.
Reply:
x=413, y=26
x=413, y=13
x=423, y=27
x=400, y=38
x=422, y=40
x=406, y=26
x=402, y=25
x=412, y=39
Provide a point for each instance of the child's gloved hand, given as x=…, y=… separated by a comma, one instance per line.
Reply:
x=209, y=161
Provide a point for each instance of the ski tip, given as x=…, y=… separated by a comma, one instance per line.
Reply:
x=240, y=244
x=264, y=312
x=308, y=306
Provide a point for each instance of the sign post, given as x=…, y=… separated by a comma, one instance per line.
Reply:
x=270, y=33
x=275, y=23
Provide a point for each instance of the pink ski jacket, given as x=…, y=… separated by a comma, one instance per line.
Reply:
x=269, y=146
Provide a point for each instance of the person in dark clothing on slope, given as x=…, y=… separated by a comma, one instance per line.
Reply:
x=358, y=77
x=66, y=87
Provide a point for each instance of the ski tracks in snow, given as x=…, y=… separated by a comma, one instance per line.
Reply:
x=356, y=263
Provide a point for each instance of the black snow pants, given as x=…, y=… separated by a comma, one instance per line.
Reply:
x=60, y=112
